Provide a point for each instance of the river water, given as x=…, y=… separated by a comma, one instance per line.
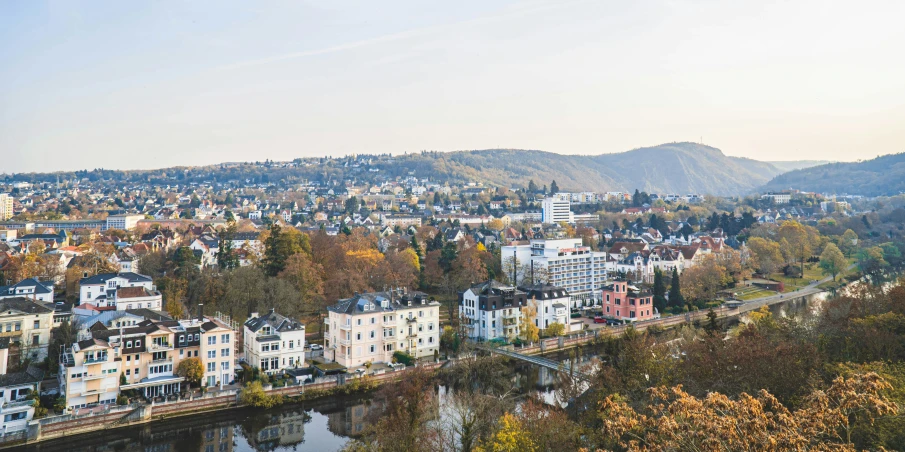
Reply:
x=324, y=425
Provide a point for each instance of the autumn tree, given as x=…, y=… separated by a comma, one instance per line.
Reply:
x=307, y=278
x=529, y=331
x=279, y=245
x=702, y=281
x=191, y=369
x=556, y=329
x=510, y=436
x=801, y=240
x=766, y=255
x=832, y=261
x=848, y=242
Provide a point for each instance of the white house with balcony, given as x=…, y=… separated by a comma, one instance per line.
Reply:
x=550, y=303
x=16, y=409
x=120, y=291
x=274, y=342
x=492, y=310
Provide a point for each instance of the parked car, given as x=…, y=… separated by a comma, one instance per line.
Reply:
x=599, y=319
x=316, y=347
x=397, y=366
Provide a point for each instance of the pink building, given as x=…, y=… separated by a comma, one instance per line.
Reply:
x=625, y=302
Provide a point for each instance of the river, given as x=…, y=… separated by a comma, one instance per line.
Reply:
x=324, y=425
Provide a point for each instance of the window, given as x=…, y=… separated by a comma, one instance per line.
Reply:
x=224, y=338
x=127, y=372
x=373, y=348
x=291, y=345
x=373, y=334
x=197, y=337
x=182, y=339
x=211, y=354
x=37, y=324
x=224, y=365
x=430, y=340
x=18, y=326
x=357, y=336
x=211, y=367
x=373, y=320
x=358, y=322
x=35, y=339
x=138, y=342
x=224, y=352
x=211, y=340
x=128, y=358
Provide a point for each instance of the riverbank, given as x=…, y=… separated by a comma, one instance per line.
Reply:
x=131, y=415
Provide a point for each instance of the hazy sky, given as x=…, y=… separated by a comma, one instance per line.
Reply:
x=122, y=84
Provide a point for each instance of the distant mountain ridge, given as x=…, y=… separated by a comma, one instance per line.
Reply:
x=680, y=168
x=882, y=176
x=668, y=168
x=793, y=165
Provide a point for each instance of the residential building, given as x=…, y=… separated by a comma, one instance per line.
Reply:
x=147, y=355
x=492, y=310
x=124, y=222
x=556, y=210
x=403, y=221
x=625, y=302
x=6, y=207
x=370, y=327
x=120, y=291
x=778, y=197
x=27, y=324
x=551, y=305
x=273, y=342
x=15, y=408
x=29, y=288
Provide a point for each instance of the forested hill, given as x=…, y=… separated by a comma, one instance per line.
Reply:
x=680, y=168
x=667, y=168
x=882, y=176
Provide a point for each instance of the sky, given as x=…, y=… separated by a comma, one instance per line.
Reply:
x=129, y=85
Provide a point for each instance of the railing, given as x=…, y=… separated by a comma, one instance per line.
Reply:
x=99, y=359
x=18, y=404
x=161, y=361
x=159, y=347
x=411, y=319
x=94, y=377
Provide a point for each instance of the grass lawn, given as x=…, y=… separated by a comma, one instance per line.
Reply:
x=757, y=293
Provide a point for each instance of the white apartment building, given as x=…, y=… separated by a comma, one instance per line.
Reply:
x=124, y=222
x=778, y=197
x=567, y=263
x=551, y=303
x=273, y=342
x=120, y=291
x=15, y=409
x=492, y=310
x=29, y=288
x=370, y=327
x=27, y=324
x=6, y=206
x=556, y=210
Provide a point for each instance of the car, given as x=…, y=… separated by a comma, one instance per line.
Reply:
x=316, y=347
x=397, y=366
x=599, y=319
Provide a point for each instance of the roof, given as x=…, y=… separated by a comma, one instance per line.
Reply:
x=132, y=292
x=367, y=303
x=92, y=343
x=542, y=291
x=25, y=305
x=29, y=376
x=39, y=287
x=102, y=278
x=276, y=321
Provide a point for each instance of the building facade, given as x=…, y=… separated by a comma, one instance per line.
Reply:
x=556, y=210
x=622, y=301
x=273, y=342
x=27, y=324
x=120, y=291
x=371, y=327
x=564, y=263
x=492, y=310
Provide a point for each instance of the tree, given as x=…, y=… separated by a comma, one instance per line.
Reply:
x=495, y=225
x=556, y=329
x=712, y=327
x=675, y=292
x=659, y=291
x=279, y=245
x=766, y=256
x=554, y=189
x=800, y=239
x=509, y=437
x=871, y=262
x=191, y=369
x=832, y=261
x=530, y=332
x=254, y=395
x=848, y=243
x=307, y=277
x=702, y=281
x=226, y=257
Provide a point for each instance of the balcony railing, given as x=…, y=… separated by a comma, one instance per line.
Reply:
x=411, y=319
x=95, y=360
x=18, y=404
x=161, y=361
x=94, y=377
x=159, y=347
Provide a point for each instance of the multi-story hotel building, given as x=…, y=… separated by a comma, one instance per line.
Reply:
x=370, y=327
x=566, y=263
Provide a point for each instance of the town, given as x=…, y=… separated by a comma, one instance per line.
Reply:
x=165, y=290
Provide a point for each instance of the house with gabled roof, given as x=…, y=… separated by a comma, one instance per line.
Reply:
x=274, y=343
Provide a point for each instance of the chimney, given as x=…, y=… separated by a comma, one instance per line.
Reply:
x=254, y=315
x=200, y=312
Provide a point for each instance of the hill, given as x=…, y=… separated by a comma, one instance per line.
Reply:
x=882, y=176
x=792, y=165
x=680, y=168
x=667, y=168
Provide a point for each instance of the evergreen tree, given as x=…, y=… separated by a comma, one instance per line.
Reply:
x=675, y=292
x=554, y=189
x=712, y=327
x=532, y=187
x=659, y=291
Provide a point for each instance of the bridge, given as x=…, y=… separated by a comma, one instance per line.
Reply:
x=542, y=362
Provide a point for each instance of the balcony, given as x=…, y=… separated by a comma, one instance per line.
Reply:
x=509, y=322
x=161, y=361
x=160, y=347
x=411, y=320
x=345, y=342
x=91, y=392
x=345, y=327
x=95, y=360
x=17, y=404
x=95, y=376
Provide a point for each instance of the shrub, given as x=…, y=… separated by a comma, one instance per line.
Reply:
x=404, y=358
x=254, y=395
